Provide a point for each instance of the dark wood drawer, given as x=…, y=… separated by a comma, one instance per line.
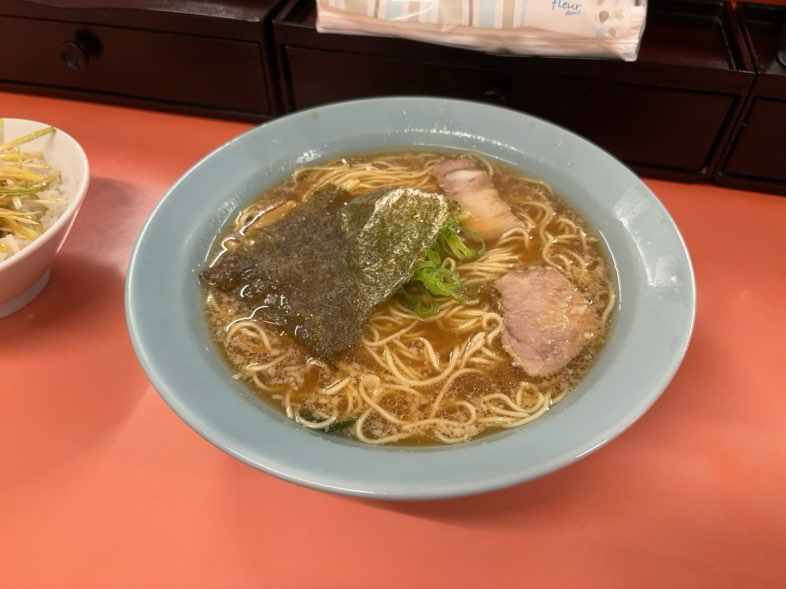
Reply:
x=182, y=66
x=668, y=114
x=645, y=125
x=319, y=76
x=760, y=151
x=756, y=157
x=649, y=127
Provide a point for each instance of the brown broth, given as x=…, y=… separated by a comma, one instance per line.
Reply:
x=511, y=186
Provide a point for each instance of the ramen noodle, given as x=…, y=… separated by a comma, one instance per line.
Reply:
x=445, y=376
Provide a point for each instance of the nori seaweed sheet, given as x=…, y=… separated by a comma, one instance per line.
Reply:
x=321, y=271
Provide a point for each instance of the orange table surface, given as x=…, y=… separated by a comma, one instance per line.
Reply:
x=102, y=485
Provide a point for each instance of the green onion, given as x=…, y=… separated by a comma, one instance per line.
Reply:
x=26, y=138
x=23, y=176
x=436, y=274
x=336, y=426
x=31, y=188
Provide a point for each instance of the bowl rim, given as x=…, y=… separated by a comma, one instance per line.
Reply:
x=276, y=463
x=74, y=203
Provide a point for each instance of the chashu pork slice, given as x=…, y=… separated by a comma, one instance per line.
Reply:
x=463, y=181
x=548, y=321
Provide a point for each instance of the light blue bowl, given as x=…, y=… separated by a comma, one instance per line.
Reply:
x=652, y=327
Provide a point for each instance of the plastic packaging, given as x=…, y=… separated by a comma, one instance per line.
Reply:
x=567, y=28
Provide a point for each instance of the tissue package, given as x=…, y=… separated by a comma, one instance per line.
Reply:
x=566, y=28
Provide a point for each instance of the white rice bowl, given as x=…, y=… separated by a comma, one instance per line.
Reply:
x=25, y=264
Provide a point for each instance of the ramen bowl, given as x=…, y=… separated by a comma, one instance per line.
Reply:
x=24, y=274
x=651, y=329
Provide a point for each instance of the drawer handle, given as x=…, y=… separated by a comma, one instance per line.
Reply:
x=76, y=53
x=495, y=96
